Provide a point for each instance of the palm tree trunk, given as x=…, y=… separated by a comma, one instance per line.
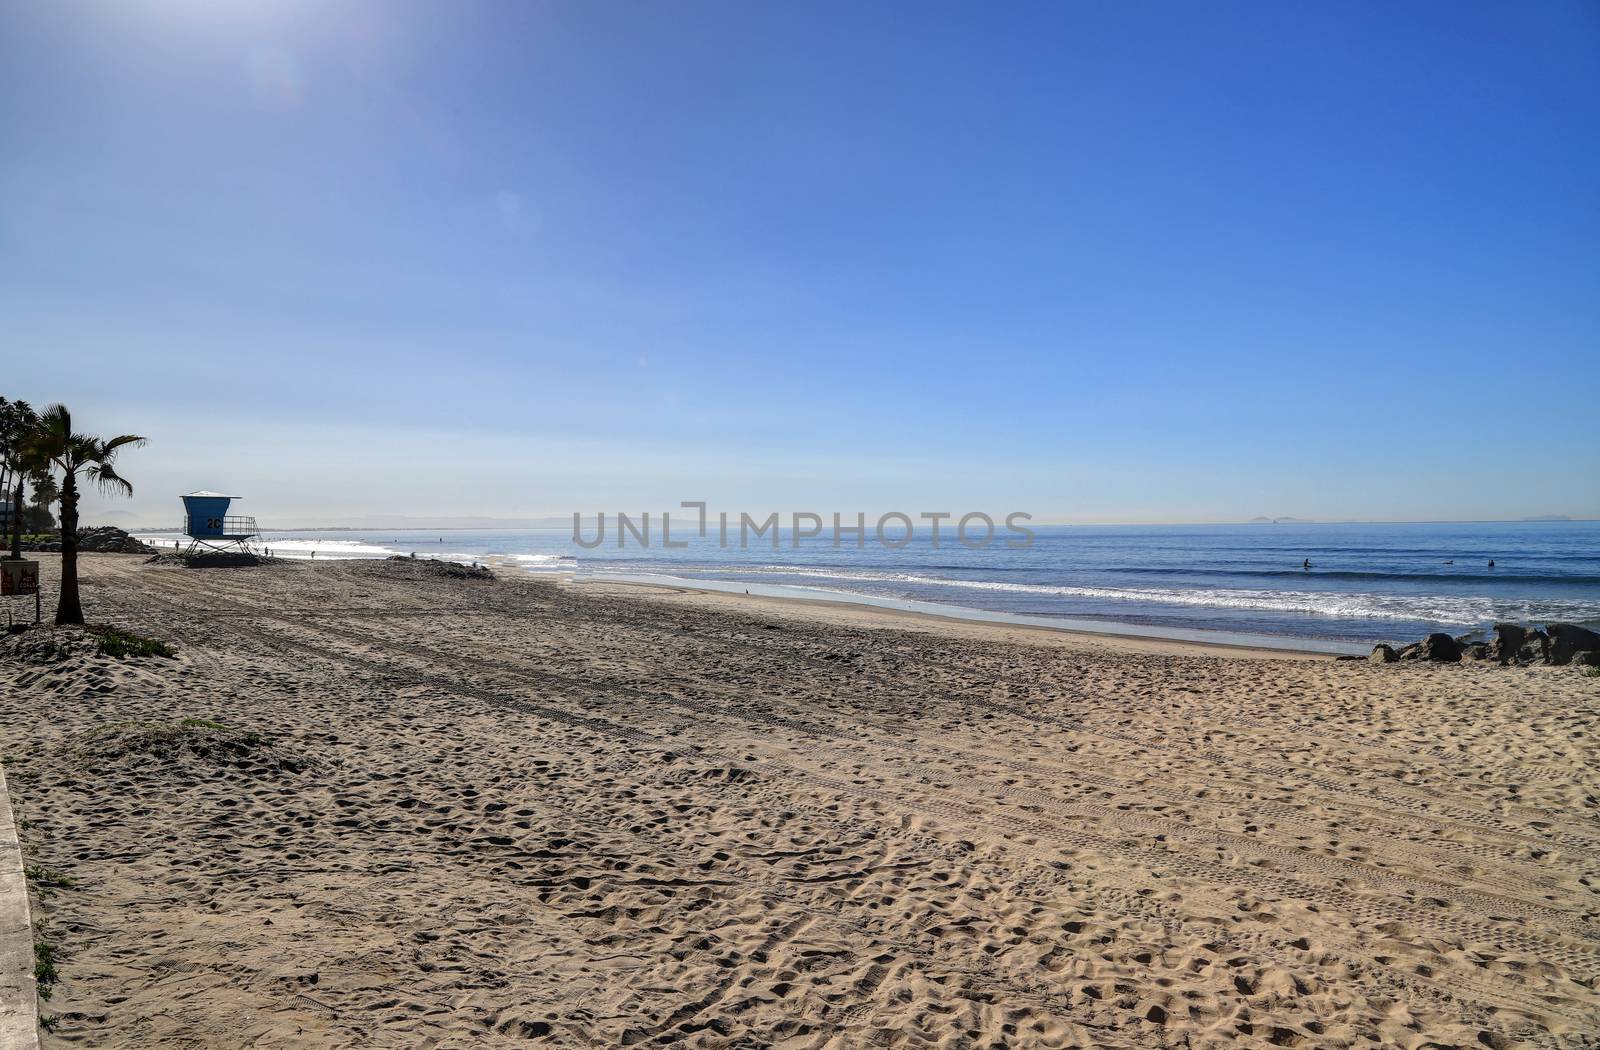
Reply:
x=69, y=609
x=16, y=520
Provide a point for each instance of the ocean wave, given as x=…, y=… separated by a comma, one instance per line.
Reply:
x=1345, y=574
x=1440, y=552
x=536, y=564
x=1443, y=609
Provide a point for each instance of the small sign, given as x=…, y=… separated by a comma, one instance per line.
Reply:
x=19, y=577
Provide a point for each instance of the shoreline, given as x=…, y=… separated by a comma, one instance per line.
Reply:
x=1157, y=638
x=1214, y=587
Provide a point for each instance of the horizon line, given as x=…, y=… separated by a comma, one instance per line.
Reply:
x=1538, y=520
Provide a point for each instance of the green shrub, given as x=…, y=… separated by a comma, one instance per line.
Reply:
x=44, y=967
x=120, y=644
x=48, y=878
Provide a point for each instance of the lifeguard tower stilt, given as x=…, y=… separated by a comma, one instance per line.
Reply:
x=208, y=524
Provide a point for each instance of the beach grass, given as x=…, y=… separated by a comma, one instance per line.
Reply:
x=44, y=967
x=48, y=878
x=120, y=644
x=118, y=739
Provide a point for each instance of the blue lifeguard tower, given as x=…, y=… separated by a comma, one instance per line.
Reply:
x=208, y=524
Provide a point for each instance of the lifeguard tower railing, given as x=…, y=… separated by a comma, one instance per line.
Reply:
x=227, y=527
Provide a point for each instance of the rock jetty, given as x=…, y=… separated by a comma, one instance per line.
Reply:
x=1557, y=644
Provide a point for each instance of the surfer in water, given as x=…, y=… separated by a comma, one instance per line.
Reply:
x=1306, y=565
x=1491, y=563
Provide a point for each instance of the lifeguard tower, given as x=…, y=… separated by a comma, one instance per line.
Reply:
x=208, y=524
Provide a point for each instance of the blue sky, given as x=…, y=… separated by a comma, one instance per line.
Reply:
x=1131, y=262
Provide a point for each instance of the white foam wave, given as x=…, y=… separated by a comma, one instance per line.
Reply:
x=304, y=547
x=1444, y=609
x=535, y=564
x=293, y=548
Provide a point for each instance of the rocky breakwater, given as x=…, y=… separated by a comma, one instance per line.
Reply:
x=103, y=539
x=1557, y=644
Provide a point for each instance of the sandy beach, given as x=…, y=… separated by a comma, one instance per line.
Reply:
x=369, y=805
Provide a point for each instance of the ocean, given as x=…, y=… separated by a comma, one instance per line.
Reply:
x=1366, y=583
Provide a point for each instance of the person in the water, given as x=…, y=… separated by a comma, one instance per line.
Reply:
x=1491, y=563
x=1306, y=565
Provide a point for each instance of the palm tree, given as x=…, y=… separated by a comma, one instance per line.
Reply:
x=73, y=454
x=45, y=493
x=18, y=421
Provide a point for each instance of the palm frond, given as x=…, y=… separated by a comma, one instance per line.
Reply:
x=104, y=475
x=51, y=440
x=18, y=421
x=55, y=444
x=100, y=468
x=121, y=440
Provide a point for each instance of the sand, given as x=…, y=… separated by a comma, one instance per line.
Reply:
x=427, y=812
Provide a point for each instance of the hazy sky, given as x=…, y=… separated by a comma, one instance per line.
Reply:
x=1121, y=262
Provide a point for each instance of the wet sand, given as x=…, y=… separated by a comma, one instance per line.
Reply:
x=409, y=811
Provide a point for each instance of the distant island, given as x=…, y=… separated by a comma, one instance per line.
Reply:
x=1281, y=521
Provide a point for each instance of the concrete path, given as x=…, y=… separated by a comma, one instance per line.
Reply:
x=19, y=1001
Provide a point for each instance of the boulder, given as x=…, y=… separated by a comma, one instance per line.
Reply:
x=1514, y=643
x=1438, y=647
x=1475, y=651
x=1567, y=640
x=1536, y=650
x=1507, y=640
x=1588, y=658
x=1383, y=654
